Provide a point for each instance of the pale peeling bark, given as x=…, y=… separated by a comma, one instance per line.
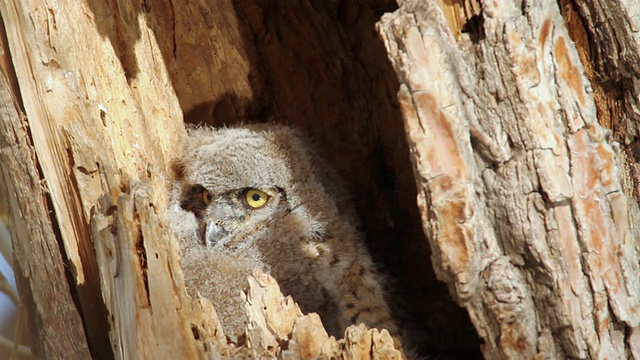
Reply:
x=90, y=132
x=519, y=185
x=141, y=282
x=44, y=287
x=608, y=41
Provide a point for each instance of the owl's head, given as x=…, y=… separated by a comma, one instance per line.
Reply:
x=238, y=182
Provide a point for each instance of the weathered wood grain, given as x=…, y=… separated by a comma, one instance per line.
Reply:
x=522, y=139
x=96, y=83
x=40, y=271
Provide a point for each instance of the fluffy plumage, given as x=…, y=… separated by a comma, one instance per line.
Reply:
x=303, y=233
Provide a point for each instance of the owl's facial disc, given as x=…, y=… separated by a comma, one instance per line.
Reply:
x=227, y=217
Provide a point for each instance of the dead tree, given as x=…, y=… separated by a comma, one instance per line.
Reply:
x=526, y=196
x=498, y=139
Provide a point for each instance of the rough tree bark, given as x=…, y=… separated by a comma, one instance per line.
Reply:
x=497, y=119
x=525, y=196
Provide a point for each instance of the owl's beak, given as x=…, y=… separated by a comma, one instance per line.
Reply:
x=213, y=233
x=218, y=226
x=221, y=221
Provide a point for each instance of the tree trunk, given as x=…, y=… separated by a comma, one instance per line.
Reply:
x=524, y=196
x=495, y=116
x=92, y=125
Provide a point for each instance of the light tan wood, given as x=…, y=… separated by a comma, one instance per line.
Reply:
x=104, y=125
x=510, y=125
x=38, y=266
x=88, y=128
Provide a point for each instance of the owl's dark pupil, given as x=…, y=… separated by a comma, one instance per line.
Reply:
x=256, y=197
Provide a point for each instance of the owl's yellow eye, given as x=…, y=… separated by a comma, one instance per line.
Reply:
x=206, y=197
x=256, y=198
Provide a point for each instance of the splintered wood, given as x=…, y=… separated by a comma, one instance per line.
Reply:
x=88, y=137
x=34, y=241
x=87, y=128
x=519, y=185
x=524, y=196
x=152, y=316
x=275, y=320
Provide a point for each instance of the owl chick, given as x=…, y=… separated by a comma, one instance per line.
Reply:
x=258, y=197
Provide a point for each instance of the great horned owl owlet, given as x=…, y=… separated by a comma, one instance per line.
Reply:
x=259, y=197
